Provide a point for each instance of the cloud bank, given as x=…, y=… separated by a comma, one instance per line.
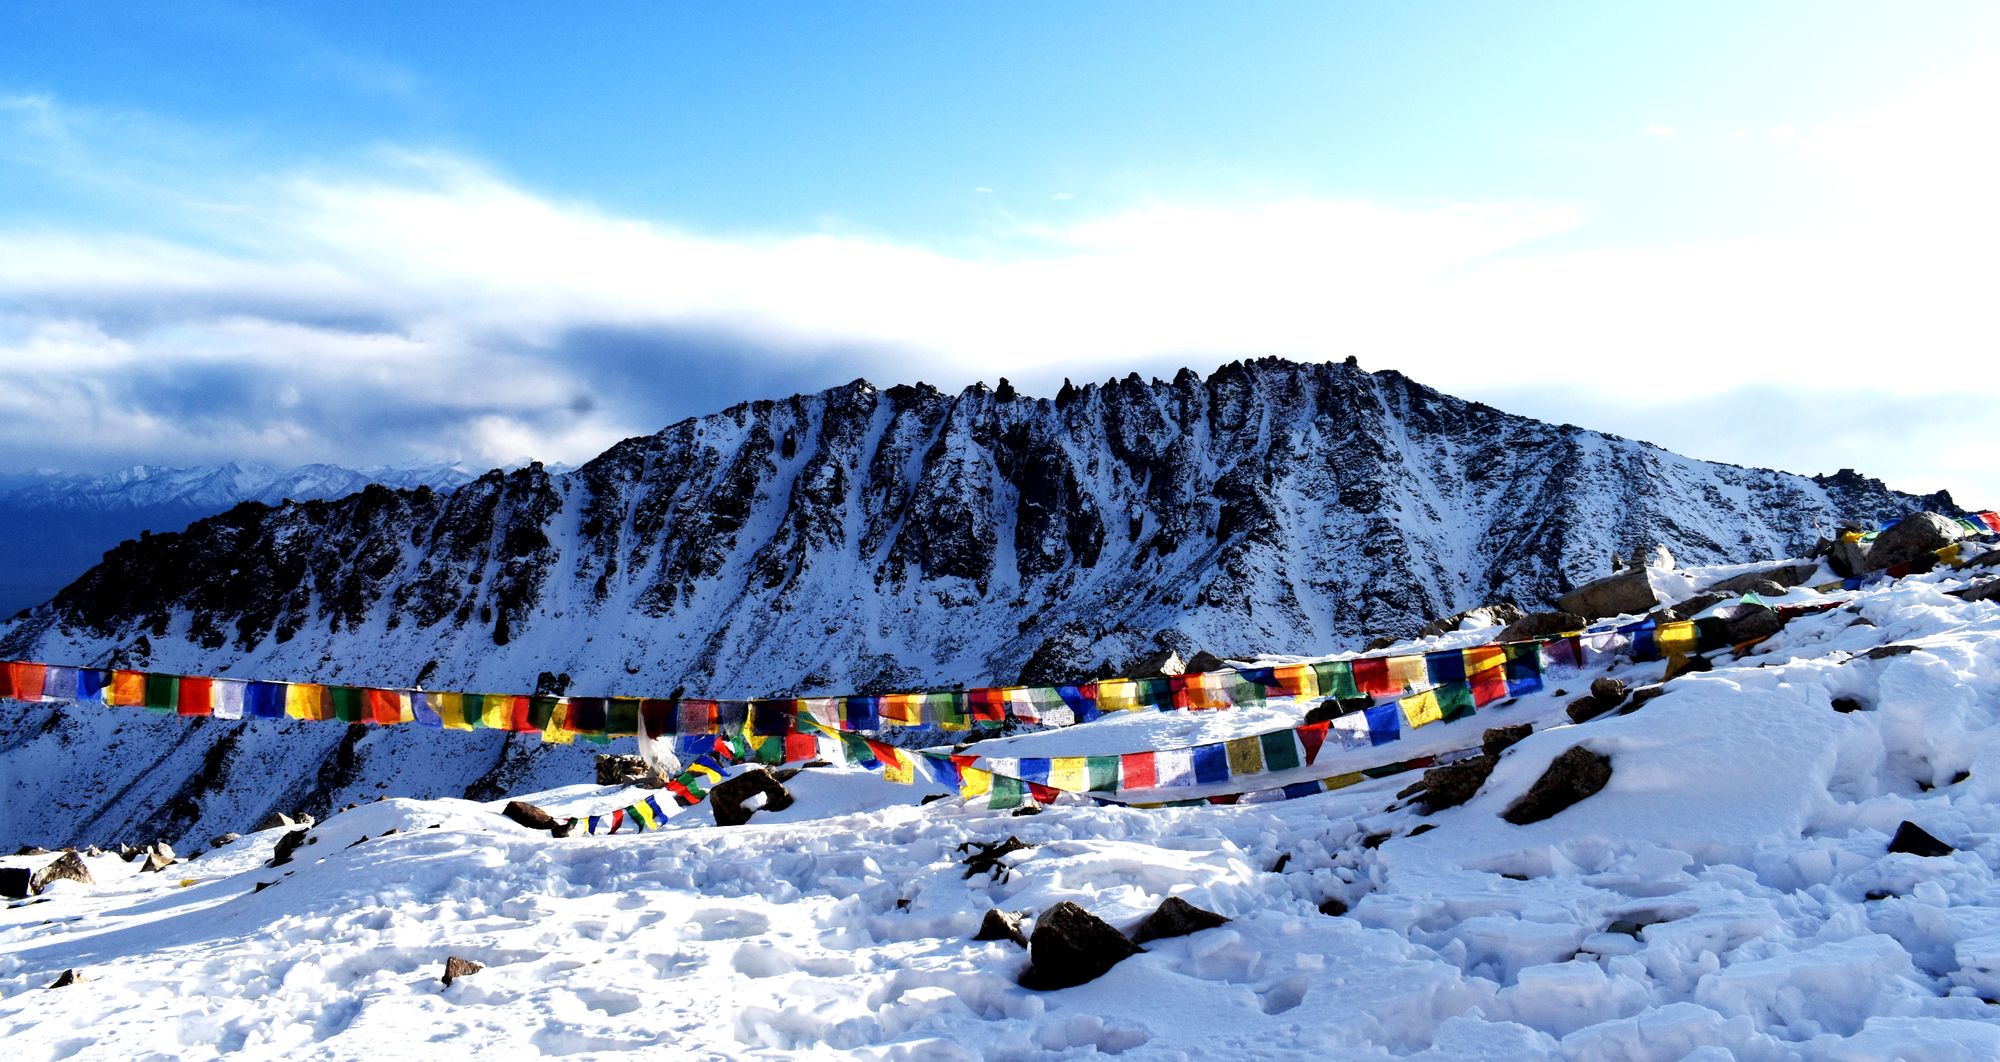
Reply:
x=411, y=306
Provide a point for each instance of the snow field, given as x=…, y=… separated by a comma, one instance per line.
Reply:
x=1728, y=894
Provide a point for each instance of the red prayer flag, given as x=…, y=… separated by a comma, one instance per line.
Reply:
x=1371, y=677
x=194, y=696
x=1138, y=769
x=1311, y=738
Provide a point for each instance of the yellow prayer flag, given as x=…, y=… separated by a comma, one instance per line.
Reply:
x=899, y=768
x=1422, y=708
x=305, y=700
x=1117, y=695
x=1675, y=639
x=973, y=782
x=1070, y=774
x=1408, y=673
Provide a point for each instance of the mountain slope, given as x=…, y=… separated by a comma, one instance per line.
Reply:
x=863, y=538
x=54, y=527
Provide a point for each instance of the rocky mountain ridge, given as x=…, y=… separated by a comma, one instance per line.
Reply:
x=869, y=538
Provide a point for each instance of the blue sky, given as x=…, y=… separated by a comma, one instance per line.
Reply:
x=512, y=231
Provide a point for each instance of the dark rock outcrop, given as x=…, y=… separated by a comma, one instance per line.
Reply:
x=1540, y=625
x=999, y=925
x=1071, y=946
x=525, y=814
x=455, y=968
x=1570, y=777
x=1915, y=840
x=1175, y=917
x=68, y=867
x=729, y=798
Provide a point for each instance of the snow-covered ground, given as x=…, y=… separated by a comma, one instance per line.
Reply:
x=1728, y=893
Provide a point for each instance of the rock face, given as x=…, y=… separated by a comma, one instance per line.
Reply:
x=628, y=770
x=1071, y=946
x=862, y=539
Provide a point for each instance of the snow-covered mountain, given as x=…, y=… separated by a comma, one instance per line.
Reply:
x=54, y=526
x=867, y=538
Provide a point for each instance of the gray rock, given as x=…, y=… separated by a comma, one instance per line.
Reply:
x=1570, y=777
x=1071, y=946
x=69, y=867
x=276, y=820
x=1627, y=593
x=1499, y=739
x=1454, y=783
x=1754, y=626
x=728, y=798
x=1540, y=625
x=68, y=978
x=1689, y=609
x=156, y=860
x=226, y=838
x=1912, y=537
x=1499, y=614
x=31, y=850
x=1849, y=558
x=1175, y=917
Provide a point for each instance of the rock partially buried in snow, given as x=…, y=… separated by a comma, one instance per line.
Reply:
x=276, y=820
x=68, y=978
x=16, y=883
x=1570, y=777
x=1628, y=593
x=999, y=925
x=1499, y=614
x=70, y=867
x=1914, y=536
x=1782, y=577
x=455, y=968
x=1070, y=947
x=1175, y=917
x=158, y=857
x=1915, y=840
x=1540, y=625
x=734, y=800
x=287, y=845
x=225, y=838
x=628, y=770
x=526, y=814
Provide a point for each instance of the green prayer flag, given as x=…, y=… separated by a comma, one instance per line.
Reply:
x=1103, y=773
x=1281, y=751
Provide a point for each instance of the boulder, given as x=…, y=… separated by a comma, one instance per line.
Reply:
x=526, y=814
x=276, y=820
x=1175, y=917
x=729, y=798
x=1782, y=578
x=1986, y=591
x=1500, y=738
x=1454, y=783
x=1848, y=558
x=1499, y=614
x=1609, y=691
x=999, y=925
x=158, y=858
x=287, y=845
x=1070, y=947
x=455, y=968
x=17, y=883
x=1915, y=840
x=1754, y=626
x=1540, y=625
x=226, y=838
x=1686, y=665
x=1570, y=778
x=628, y=770
x=1203, y=662
x=1689, y=609
x=1164, y=662
x=1653, y=556
x=68, y=978
x=69, y=867
x=31, y=850
x=1628, y=593
x=1916, y=535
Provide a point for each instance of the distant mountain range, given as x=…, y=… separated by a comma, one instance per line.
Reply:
x=55, y=526
x=860, y=538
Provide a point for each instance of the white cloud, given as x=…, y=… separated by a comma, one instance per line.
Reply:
x=430, y=282
x=1661, y=130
